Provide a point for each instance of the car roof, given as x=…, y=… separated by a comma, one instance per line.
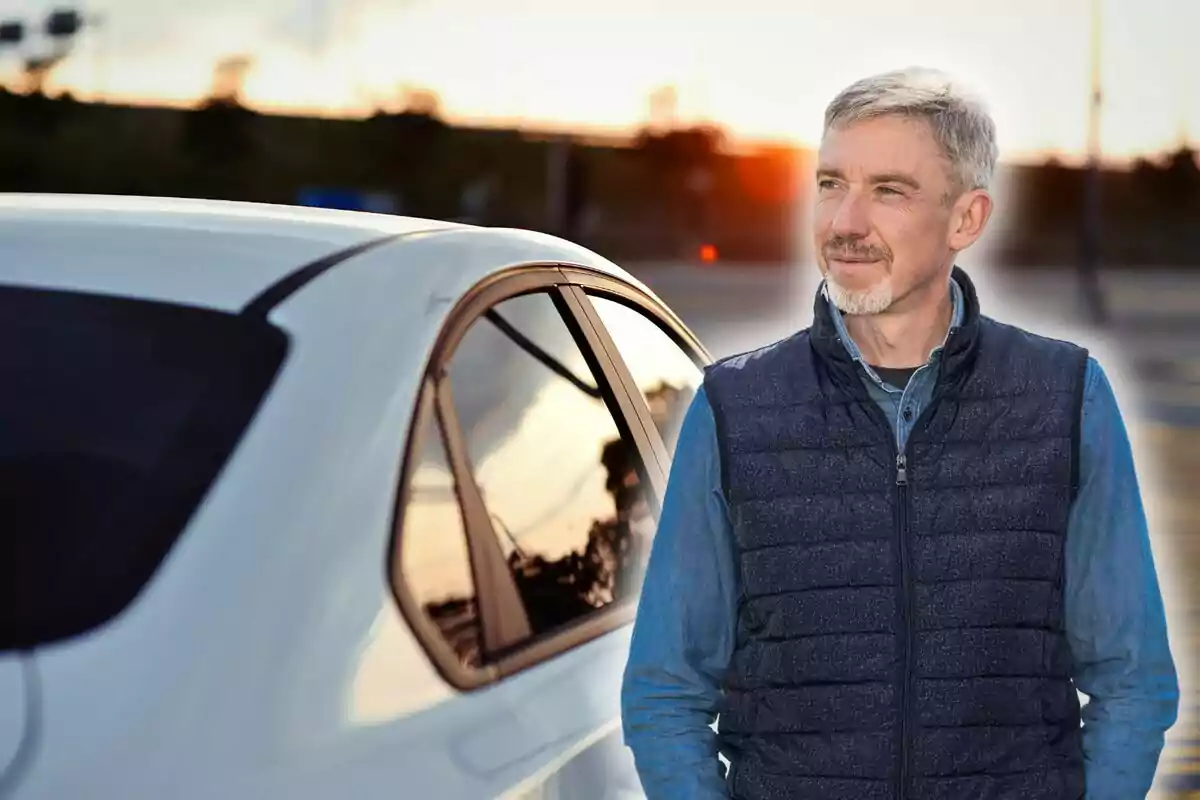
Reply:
x=222, y=254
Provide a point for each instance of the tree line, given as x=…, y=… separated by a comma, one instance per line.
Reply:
x=660, y=196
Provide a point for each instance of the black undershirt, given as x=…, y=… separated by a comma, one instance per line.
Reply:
x=896, y=376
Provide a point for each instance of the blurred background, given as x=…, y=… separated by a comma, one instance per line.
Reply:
x=676, y=138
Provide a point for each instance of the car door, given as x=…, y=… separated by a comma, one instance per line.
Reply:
x=659, y=362
x=531, y=492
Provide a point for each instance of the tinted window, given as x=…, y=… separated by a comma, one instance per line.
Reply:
x=562, y=486
x=662, y=370
x=433, y=548
x=115, y=417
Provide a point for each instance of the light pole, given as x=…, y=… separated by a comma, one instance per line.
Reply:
x=1089, y=265
x=99, y=58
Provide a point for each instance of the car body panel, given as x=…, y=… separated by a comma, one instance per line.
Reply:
x=197, y=252
x=183, y=694
x=221, y=254
x=14, y=722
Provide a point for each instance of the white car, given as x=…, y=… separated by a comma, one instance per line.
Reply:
x=301, y=503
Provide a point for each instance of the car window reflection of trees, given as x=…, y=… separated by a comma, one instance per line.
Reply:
x=609, y=566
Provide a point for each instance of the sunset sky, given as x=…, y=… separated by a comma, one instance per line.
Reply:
x=765, y=70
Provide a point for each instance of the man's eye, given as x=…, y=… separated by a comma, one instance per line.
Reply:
x=826, y=184
x=888, y=190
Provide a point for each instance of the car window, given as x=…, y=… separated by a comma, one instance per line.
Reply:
x=116, y=415
x=664, y=372
x=433, y=548
x=561, y=484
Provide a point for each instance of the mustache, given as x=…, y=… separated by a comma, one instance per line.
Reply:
x=842, y=247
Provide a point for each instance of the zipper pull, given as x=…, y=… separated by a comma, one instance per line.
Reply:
x=901, y=470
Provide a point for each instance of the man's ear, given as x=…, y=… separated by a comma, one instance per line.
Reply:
x=969, y=218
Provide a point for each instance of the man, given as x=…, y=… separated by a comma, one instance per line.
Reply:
x=895, y=544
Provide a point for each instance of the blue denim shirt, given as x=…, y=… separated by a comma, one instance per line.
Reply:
x=1116, y=625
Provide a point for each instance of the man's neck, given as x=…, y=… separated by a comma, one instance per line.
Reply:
x=903, y=337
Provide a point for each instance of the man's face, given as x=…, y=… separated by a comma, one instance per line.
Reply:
x=888, y=216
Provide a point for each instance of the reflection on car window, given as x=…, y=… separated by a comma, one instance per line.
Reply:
x=662, y=370
x=433, y=548
x=562, y=486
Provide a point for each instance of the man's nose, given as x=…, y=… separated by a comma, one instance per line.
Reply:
x=850, y=219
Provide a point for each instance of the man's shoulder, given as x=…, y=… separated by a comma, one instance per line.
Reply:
x=1014, y=336
x=774, y=373
x=1017, y=360
x=761, y=356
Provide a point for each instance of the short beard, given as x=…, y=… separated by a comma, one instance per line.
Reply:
x=863, y=302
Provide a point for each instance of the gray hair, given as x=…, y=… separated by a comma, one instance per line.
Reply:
x=960, y=122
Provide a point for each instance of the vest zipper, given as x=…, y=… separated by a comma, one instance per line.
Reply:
x=906, y=582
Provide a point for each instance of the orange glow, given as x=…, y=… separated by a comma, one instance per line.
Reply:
x=708, y=253
x=770, y=177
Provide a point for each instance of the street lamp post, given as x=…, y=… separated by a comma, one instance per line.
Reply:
x=1089, y=265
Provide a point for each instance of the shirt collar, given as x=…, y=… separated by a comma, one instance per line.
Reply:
x=839, y=322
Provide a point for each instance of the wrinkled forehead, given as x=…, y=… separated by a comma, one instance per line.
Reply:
x=884, y=145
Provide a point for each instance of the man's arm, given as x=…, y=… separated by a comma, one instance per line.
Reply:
x=686, y=622
x=1115, y=620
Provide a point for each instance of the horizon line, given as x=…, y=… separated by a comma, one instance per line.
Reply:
x=612, y=133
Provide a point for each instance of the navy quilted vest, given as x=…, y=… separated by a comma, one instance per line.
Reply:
x=900, y=633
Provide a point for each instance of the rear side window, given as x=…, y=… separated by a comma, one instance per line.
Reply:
x=434, y=553
x=561, y=484
x=116, y=416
